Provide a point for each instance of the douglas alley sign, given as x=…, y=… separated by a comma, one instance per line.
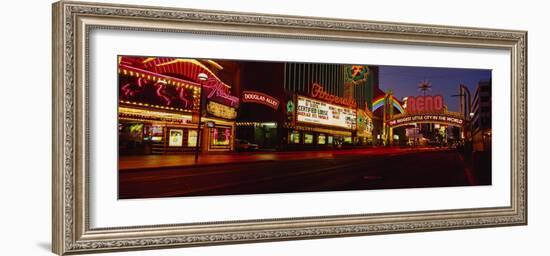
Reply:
x=260, y=98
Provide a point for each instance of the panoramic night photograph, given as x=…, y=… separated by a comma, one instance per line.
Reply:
x=213, y=127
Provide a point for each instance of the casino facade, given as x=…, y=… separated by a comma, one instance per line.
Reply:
x=159, y=104
x=303, y=106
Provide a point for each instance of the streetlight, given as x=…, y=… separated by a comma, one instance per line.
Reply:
x=202, y=77
x=415, y=133
x=471, y=122
x=465, y=92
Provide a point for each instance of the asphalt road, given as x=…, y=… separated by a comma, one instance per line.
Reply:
x=406, y=169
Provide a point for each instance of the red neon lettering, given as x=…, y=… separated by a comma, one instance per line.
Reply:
x=411, y=104
x=438, y=103
x=425, y=104
x=317, y=91
x=428, y=103
x=419, y=104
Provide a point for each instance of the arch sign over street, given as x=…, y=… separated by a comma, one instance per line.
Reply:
x=426, y=109
x=446, y=118
x=260, y=98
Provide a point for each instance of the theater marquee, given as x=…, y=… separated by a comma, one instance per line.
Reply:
x=322, y=113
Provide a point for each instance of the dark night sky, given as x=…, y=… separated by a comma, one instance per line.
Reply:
x=445, y=81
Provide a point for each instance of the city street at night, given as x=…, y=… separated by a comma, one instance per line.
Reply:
x=280, y=172
x=202, y=127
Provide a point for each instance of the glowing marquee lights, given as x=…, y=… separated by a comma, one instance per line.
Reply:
x=170, y=94
x=136, y=72
x=142, y=114
x=220, y=110
x=321, y=113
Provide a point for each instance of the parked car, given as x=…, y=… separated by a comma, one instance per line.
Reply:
x=244, y=145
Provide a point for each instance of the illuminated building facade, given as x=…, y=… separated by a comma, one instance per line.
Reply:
x=174, y=105
x=261, y=90
x=328, y=105
x=274, y=105
x=286, y=106
x=159, y=102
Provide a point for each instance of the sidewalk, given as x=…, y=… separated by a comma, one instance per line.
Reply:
x=160, y=161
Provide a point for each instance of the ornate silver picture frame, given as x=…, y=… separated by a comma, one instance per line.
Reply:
x=72, y=208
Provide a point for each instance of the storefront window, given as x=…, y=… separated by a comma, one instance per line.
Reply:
x=295, y=137
x=153, y=133
x=321, y=139
x=132, y=132
x=347, y=140
x=220, y=136
x=308, y=138
x=175, y=138
x=192, y=138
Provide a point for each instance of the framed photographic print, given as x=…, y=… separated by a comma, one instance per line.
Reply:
x=178, y=127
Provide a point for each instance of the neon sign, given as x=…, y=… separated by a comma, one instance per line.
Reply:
x=220, y=110
x=356, y=74
x=220, y=137
x=155, y=93
x=161, y=92
x=423, y=104
x=321, y=113
x=379, y=101
x=260, y=98
x=318, y=91
x=448, y=119
x=364, y=123
x=217, y=91
x=130, y=90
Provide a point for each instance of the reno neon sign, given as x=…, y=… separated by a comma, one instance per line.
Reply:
x=425, y=104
